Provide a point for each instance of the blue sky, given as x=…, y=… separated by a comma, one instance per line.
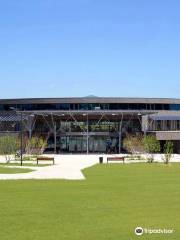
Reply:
x=60, y=48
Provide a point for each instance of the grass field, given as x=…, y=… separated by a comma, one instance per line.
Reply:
x=5, y=170
x=113, y=200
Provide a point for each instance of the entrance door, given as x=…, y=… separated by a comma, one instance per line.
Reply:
x=97, y=144
x=77, y=144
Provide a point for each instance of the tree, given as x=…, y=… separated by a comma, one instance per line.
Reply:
x=151, y=146
x=168, y=151
x=8, y=146
x=35, y=145
x=133, y=144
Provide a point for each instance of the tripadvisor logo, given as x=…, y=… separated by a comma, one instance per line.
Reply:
x=139, y=231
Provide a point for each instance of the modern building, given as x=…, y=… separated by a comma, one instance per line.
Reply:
x=91, y=124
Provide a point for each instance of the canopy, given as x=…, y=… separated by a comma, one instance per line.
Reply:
x=164, y=117
x=12, y=117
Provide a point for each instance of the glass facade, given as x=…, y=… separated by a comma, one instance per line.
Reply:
x=79, y=133
x=164, y=125
x=78, y=144
x=102, y=136
x=91, y=106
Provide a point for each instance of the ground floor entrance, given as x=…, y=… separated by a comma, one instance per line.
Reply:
x=74, y=131
x=80, y=144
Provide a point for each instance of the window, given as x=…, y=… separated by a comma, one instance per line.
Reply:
x=83, y=106
x=175, y=107
x=104, y=106
x=158, y=106
x=63, y=106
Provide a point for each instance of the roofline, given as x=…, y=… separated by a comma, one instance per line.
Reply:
x=90, y=100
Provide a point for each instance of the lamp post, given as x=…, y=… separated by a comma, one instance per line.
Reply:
x=87, y=136
x=21, y=132
x=120, y=133
x=55, y=140
x=21, y=138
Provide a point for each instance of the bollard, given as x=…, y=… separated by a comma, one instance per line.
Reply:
x=100, y=160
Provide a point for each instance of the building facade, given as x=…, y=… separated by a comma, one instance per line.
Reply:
x=91, y=124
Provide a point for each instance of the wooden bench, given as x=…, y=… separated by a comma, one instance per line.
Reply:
x=115, y=159
x=45, y=159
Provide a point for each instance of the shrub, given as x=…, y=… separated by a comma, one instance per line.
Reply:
x=35, y=145
x=8, y=146
x=151, y=145
x=133, y=144
x=168, y=151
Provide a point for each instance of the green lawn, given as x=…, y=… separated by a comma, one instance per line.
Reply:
x=6, y=170
x=113, y=200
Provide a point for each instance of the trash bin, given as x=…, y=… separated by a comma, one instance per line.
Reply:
x=100, y=160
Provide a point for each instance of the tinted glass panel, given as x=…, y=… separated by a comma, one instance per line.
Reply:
x=63, y=106
x=104, y=106
x=83, y=106
x=166, y=106
x=175, y=107
x=158, y=106
x=113, y=106
x=133, y=106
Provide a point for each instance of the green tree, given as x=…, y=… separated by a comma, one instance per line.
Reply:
x=9, y=146
x=168, y=151
x=133, y=144
x=35, y=145
x=151, y=146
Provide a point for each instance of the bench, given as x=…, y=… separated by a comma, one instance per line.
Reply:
x=45, y=159
x=115, y=159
